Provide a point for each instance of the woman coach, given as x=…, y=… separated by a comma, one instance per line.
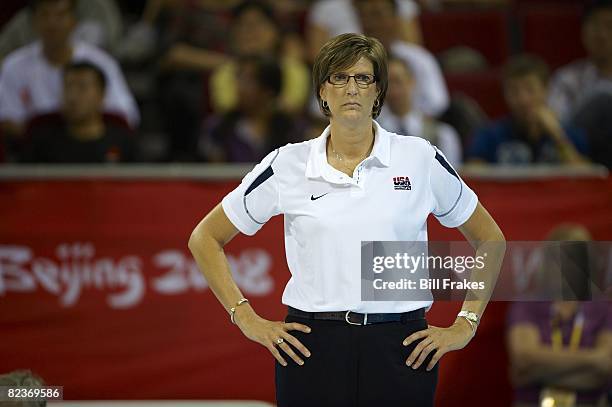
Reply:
x=334, y=192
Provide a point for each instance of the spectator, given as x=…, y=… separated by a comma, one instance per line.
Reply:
x=31, y=82
x=532, y=133
x=560, y=352
x=573, y=84
x=542, y=367
x=22, y=378
x=255, y=32
x=80, y=133
x=379, y=19
x=398, y=114
x=329, y=18
x=256, y=126
x=99, y=24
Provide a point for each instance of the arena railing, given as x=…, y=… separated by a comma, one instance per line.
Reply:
x=237, y=171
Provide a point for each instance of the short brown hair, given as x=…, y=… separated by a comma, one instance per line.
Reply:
x=83, y=66
x=343, y=51
x=524, y=65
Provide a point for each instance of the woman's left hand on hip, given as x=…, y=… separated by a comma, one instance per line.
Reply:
x=439, y=341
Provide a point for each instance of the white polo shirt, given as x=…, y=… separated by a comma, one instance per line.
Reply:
x=328, y=214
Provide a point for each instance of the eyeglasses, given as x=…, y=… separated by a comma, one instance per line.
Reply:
x=363, y=80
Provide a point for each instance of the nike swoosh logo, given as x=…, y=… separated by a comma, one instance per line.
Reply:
x=313, y=198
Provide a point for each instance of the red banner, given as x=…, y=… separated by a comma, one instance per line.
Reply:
x=99, y=294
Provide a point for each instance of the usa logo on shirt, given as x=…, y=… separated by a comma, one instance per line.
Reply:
x=401, y=184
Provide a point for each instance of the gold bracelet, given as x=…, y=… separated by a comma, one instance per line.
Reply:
x=471, y=317
x=233, y=309
x=472, y=326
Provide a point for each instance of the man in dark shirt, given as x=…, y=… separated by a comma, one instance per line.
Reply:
x=80, y=133
x=532, y=133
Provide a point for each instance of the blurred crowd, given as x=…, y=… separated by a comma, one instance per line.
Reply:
x=209, y=81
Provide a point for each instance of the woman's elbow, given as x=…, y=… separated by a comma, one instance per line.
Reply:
x=501, y=239
x=495, y=233
x=498, y=244
x=491, y=238
x=192, y=242
x=196, y=237
x=496, y=237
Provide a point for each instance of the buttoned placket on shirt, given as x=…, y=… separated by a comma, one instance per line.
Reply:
x=318, y=166
x=356, y=179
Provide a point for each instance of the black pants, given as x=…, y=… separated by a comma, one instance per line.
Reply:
x=356, y=366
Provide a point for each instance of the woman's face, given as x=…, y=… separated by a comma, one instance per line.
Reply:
x=351, y=101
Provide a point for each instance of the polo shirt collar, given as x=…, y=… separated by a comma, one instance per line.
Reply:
x=317, y=165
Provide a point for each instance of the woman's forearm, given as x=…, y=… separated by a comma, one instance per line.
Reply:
x=493, y=253
x=212, y=262
x=489, y=242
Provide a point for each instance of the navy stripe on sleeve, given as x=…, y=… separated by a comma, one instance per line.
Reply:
x=261, y=178
x=445, y=164
x=450, y=169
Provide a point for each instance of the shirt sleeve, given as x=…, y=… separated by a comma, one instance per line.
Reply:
x=118, y=98
x=454, y=201
x=431, y=92
x=256, y=199
x=11, y=97
x=16, y=33
x=560, y=95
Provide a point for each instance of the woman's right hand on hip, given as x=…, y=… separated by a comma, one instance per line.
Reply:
x=275, y=336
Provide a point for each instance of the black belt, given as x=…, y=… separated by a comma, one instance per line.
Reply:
x=355, y=318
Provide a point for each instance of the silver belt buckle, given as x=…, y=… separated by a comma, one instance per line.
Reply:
x=348, y=320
